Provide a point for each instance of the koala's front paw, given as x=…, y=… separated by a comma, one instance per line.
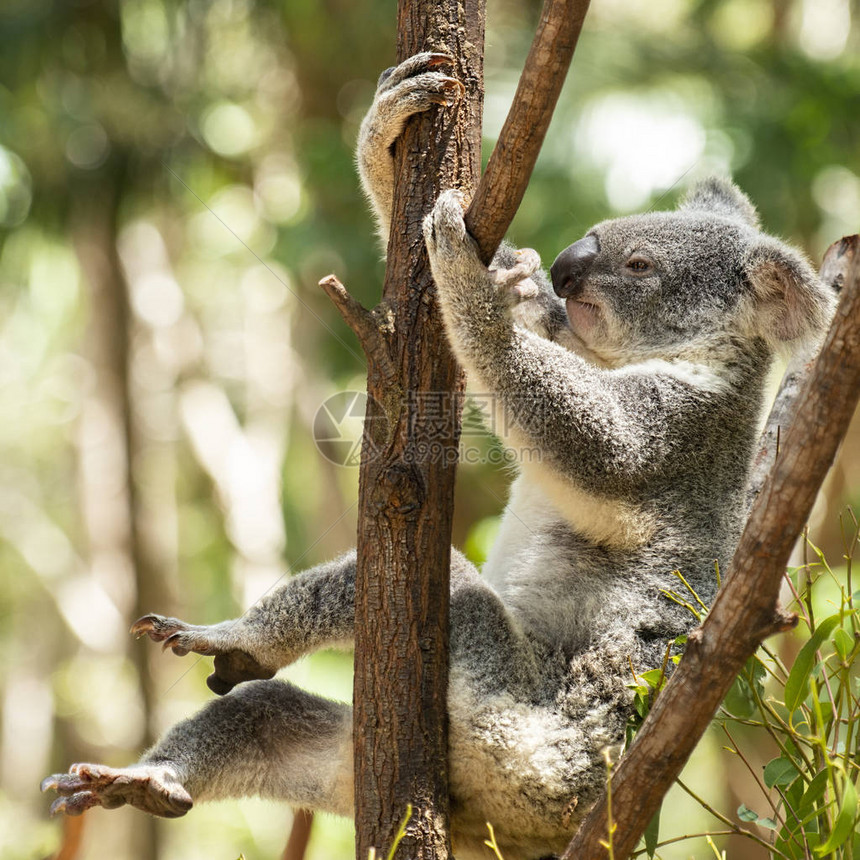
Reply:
x=454, y=257
x=445, y=233
x=515, y=284
x=152, y=788
x=232, y=665
x=412, y=87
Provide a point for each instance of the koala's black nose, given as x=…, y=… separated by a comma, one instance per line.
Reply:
x=572, y=264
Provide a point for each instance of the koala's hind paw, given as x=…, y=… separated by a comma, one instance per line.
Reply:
x=232, y=665
x=152, y=788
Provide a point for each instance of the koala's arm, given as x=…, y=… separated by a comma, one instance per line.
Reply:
x=610, y=430
x=315, y=609
x=412, y=87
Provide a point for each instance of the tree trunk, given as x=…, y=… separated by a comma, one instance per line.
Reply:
x=406, y=490
x=112, y=519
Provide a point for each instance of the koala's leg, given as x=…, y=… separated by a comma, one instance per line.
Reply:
x=488, y=644
x=266, y=738
x=412, y=87
x=313, y=610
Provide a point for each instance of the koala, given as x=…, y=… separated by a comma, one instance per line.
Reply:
x=637, y=369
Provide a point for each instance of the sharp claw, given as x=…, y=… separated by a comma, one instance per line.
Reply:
x=457, y=87
x=435, y=60
x=172, y=641
x=143, y=625
x=58, y=807
x=50, y=783
x=74, y=805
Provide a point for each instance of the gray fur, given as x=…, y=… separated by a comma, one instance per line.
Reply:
x=642, y=393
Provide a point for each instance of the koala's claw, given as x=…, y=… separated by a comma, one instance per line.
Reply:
x=417, y=63
x=232, y=665
x=174, y=634
x=152, y=788
x=412, y=87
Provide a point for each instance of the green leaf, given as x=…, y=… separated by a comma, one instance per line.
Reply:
x=796, y=687
x=739, y=700
x=757, y=673
x=653, y=677
x=812, y=794
x=843, y=826
x=652, y=833
x=746, y=814
x=780, y=771
x=843, y=642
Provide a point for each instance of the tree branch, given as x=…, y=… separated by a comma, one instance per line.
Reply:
x=746, y=607
x=504, y=182
x=365, y=324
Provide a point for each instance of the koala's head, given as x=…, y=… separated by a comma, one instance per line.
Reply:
x=678, y=283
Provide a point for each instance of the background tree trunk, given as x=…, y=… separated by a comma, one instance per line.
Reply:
x=407, y=475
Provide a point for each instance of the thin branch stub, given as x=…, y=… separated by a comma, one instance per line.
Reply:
x=362, y=322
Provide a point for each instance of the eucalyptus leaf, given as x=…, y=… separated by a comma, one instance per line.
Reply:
x=779, y=771
x=796, y=687
x=652, y=834
x=746, y=814
x=843, y=826
x=843, y=642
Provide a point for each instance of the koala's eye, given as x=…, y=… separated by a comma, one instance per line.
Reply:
x=638, y=265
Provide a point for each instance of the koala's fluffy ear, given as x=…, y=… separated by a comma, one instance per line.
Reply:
x=788, y=302
x=718, y=196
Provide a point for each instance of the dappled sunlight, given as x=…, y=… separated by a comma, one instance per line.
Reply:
x=175, y=178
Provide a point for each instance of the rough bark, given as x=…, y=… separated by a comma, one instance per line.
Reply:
x=406, y=489
x=746, y=609
x=412, y=426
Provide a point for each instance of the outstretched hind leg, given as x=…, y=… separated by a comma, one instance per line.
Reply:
x=266, y=738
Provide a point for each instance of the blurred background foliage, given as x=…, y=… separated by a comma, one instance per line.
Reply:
x=175, y=177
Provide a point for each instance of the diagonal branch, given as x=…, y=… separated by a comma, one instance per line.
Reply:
x=504, y=182
x=745, y=611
